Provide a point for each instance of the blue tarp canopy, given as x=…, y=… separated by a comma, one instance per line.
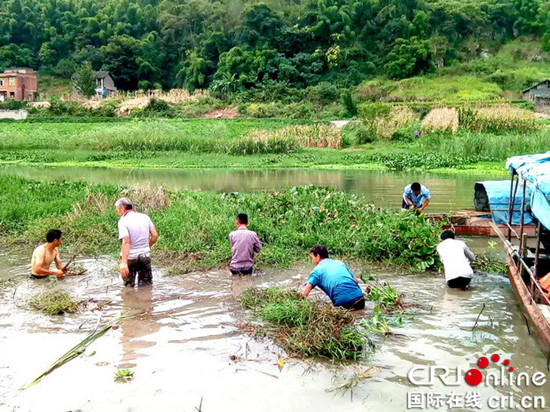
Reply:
x=540, y=200
x=515, y=163
x=535, y=170
x=498, y=195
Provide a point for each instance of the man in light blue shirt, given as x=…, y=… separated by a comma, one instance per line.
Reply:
x=416, y=196
x=335, y=279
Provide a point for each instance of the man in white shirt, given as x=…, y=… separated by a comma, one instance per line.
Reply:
x=138, y=234
x=456, y=258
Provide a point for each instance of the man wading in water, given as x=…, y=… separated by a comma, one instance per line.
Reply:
x=138, y=234
x=456, y=258
x=45, y=254
x=244, y=244
x=335, y=279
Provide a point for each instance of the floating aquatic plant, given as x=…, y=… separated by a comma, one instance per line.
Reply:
x=54, y=302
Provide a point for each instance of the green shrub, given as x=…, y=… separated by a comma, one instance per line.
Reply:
x=365, y=135
x=349, y=104
x=12, y=104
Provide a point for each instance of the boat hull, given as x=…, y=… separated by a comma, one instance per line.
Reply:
x=538, y=326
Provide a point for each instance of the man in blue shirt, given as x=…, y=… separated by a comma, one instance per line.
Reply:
x=335, y=279
x=416, y=196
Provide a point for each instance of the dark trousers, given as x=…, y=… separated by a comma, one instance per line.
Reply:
x=459, y=282
x=241, y=271
x=356, y=304
x=140, y=267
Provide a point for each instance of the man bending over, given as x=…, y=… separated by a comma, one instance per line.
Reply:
x=335, y=279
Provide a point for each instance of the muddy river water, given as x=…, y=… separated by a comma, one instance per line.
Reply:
x=185, y=346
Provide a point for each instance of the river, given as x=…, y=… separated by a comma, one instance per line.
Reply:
x=449, y=192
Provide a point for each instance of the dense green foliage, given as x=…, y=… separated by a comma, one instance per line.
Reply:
x=197, y=224
x=238, y=45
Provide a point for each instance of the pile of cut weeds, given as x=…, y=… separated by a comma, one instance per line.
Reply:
x=304, y=328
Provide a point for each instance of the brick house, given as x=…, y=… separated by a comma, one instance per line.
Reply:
x=18, y=84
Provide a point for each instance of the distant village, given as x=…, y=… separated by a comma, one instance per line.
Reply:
x=21, y=83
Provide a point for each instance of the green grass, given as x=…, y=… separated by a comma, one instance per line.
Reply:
x=198, y=135
x=54, y=302
x=429, y=88
x=304, y=328
x=196, y=225
x=208, y=143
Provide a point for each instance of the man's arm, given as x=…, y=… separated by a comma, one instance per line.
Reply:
x=305, y=291
x=59, y=265
x=424, y=205
x=469, y=254
x=124, y=271
x=153, y=235
x=257, y=244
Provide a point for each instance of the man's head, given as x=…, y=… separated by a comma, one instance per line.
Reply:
x=242, y=219
x=122, y=205
x=448, y=234
x=318, y=253
x=54, y=236
x=415, y=187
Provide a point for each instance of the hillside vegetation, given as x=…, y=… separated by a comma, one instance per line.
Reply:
x=267, y=49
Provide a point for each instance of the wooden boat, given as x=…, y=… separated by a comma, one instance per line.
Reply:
x=528, y=260
x=474, y=223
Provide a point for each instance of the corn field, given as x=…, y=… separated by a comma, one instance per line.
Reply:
x=303, y=136
x=441, y=118
x=398, y=117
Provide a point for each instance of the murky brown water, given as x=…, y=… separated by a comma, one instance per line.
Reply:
x=382, y=189
x=185, y=330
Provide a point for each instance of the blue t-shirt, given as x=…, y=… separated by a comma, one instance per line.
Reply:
x=336, y=280
x=417, y=199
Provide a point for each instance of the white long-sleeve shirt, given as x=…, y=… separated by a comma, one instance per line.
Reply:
x=456, y=258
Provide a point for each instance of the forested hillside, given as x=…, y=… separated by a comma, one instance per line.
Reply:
x=234, y=45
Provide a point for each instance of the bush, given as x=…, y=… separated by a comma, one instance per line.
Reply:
x=349, y=104
x=322, y=93
x=12, y=104
x=365, y=135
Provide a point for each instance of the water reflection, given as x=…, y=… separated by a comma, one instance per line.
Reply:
x=382, y=189
x=138, y=322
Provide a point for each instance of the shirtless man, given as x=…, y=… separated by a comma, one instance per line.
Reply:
x=45, y=254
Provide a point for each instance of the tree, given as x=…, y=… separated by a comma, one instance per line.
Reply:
x=84, y=80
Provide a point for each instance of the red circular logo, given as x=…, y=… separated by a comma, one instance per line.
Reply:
x=473, y=377
x=483, y=362
x=495, y=358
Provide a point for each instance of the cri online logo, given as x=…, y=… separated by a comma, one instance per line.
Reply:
x=503, y=376
x=474, y=376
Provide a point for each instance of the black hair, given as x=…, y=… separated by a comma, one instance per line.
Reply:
x=416, y=187
x=319, y=250
x=242, y=218
x=52, y=235
x=448, y=234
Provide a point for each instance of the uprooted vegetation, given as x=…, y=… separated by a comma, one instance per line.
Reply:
x=304, y=328
x=54, y=302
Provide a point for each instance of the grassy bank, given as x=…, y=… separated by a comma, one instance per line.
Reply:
x=242, y=144
x=194, y=226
